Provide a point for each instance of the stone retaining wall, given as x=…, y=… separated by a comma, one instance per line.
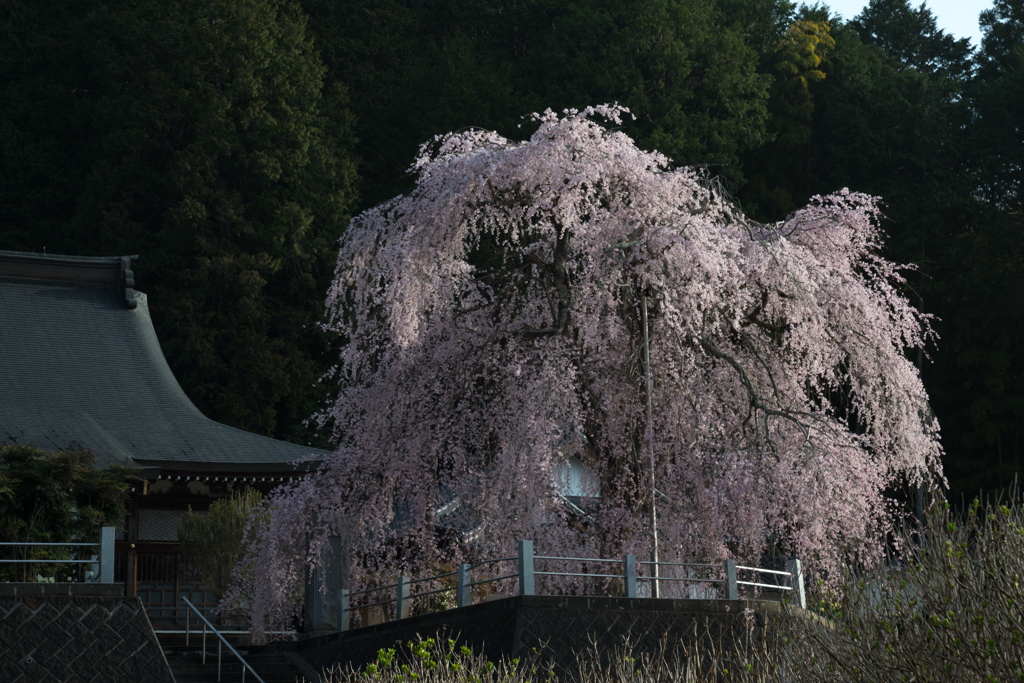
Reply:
x=81, y=633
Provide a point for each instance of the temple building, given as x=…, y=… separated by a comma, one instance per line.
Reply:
x=81, y=367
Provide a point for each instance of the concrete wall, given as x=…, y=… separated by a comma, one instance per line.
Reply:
x=81, y=633
x=512, y=627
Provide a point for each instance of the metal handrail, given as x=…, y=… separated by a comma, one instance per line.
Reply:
x=49, y=561
x=496, y=578
x=681, y=578
x=758, y=570
x=433, y=592
x=576, y=559
x=497, y=559
x=61, y=545
x=223, y=640
x=377, y=588
x=82, y=545
x=765, y=585
x=385, y=601
x=526, y=573
x=103, y=563
x=431, y=578
x=765, y=571
x=173, y=631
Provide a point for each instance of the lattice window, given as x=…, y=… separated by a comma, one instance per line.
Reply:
x=156, y=568
x=159, y=525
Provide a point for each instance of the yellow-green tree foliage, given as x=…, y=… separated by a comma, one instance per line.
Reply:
x=213, y=543
x=778, y=172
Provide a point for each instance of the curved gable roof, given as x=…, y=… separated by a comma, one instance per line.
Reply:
x=80, y=365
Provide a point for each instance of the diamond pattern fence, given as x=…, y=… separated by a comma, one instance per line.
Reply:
x=78, y=640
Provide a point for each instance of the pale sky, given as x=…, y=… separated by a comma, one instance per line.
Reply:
x=958, y=17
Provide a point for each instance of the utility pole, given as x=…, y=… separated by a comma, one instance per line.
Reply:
x=919, y=494
x=655, y=592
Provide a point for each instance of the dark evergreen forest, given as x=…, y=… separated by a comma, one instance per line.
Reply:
x=228, y=142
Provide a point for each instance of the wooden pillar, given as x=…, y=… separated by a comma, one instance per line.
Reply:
x=177, y=585
x=131, y=563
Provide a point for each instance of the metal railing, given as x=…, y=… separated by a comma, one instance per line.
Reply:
x=220, y=643
x=103, y=564
x=794, y=580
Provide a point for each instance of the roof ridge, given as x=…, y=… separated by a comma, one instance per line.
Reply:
x=105, y=272
x=33, y=255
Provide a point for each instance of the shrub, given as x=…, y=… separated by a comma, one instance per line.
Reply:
x=951, y=610
x=443, y=661
x=59, y=497
x=213, y=543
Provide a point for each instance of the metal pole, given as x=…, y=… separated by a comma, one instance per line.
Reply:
x=316, y=596
x=204, y=643
x=526, y=568
x=107, y=554
x=187, y=615
x=732, y=591
x=402, y=608
x=343, y=610
x=919, y=494
x=797, y=581
x=220, y=647
x=630, y=575
x=464, y=595
x=655, y=592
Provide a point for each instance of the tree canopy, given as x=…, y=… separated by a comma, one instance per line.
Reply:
x=687, y=69
x=200, y=136
x=776, y=407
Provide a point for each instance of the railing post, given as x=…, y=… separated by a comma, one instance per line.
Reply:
x=526, y=568
x=630, y=575
x=343, y=609
x=220, y=646
x=732, y=591
x=463, y=594
x=107, y=555
x=403, y=597
x=204, y=643
x=796, y=581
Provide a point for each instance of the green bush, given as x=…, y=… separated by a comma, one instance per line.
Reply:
x=436, y=661
x=442, y=661
x=59, y=497
x=213, y=544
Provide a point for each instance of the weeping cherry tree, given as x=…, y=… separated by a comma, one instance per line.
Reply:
x=575, y=295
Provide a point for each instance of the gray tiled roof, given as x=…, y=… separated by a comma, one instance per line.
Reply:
x=79, y=368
